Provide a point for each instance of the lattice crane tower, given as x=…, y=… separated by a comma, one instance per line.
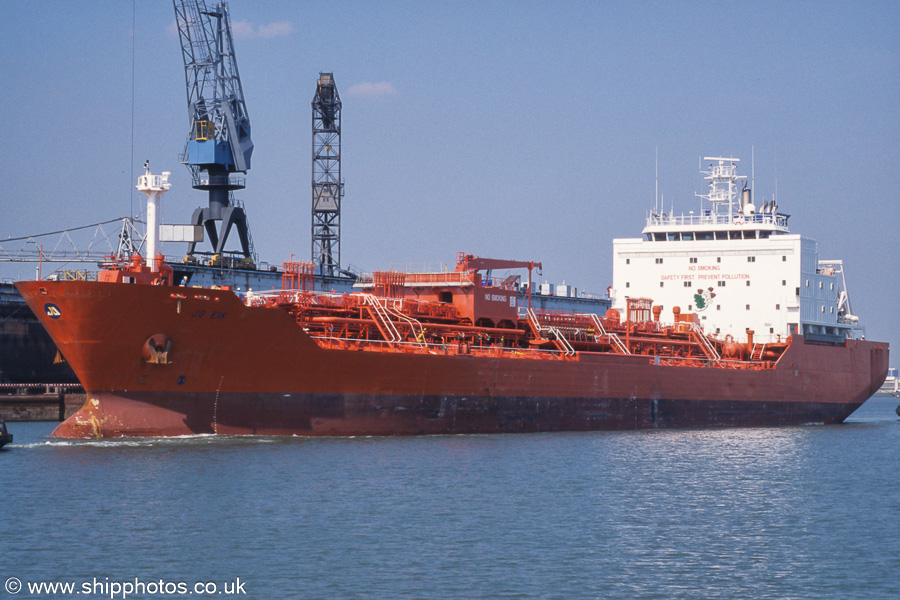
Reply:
x=327, y=187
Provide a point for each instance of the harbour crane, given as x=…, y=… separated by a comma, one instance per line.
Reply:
x=327, y=186
x=218, y=144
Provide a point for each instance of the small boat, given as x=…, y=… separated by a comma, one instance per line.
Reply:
x=5, y=436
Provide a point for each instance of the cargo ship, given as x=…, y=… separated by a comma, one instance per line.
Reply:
x=461, y=351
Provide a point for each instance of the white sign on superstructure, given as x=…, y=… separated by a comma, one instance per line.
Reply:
x=736, y=267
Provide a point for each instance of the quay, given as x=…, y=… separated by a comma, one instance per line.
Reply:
x=39, y=401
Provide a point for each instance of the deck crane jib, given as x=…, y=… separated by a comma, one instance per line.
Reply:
x=218, y=143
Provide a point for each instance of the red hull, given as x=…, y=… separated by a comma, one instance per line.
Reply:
x=236, y=370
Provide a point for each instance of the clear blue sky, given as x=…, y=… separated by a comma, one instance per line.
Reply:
x=509, y=129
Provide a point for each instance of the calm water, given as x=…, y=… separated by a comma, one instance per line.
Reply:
x=803, y=512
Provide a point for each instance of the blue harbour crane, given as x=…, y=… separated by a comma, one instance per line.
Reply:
x=218, y=144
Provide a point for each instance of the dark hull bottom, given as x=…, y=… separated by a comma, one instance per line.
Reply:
x=108, y=414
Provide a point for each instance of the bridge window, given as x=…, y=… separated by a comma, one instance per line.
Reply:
x=660, y=237
x=674, y=237
x=687, y=237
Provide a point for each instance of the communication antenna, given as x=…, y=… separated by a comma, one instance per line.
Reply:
x=752, y=173
x=775, y=195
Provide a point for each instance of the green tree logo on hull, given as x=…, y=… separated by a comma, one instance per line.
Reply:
x=703, y=299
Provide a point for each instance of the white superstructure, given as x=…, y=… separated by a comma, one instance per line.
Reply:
x=891, y=383
x=737, y=267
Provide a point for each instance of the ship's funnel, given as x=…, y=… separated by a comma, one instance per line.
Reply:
x=747, y=206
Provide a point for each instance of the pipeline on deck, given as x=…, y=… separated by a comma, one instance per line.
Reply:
x=361, y=321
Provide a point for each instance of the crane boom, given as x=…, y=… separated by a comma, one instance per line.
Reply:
x=470, y=263
x=216, y=108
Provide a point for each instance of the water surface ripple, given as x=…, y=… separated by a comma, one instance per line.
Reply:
x=800, y=512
